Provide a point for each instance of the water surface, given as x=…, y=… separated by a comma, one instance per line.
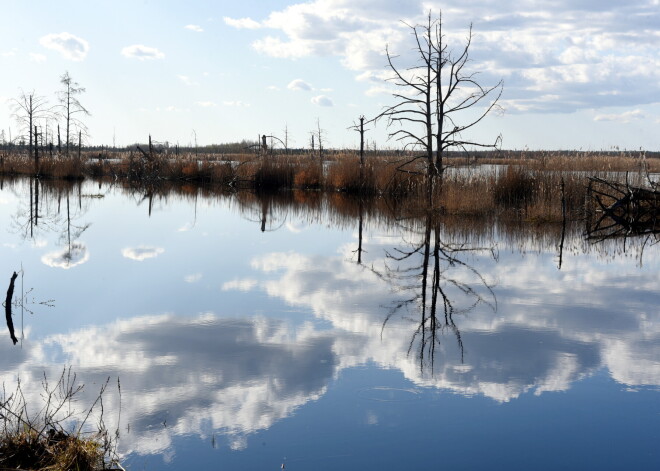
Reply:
x=320, y=332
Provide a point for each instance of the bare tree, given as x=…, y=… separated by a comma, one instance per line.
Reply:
x=71, y=108
x=319, y=133
x=26, y=110
x=434, y=97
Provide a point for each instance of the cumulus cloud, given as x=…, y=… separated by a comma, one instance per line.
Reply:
x=322, y=100
x=142, y=252
x=275, y=47
x=573, y=52
x=625, y=117
x=69, y=46
x=246, y=284
x=141, y=52
x=242, y=23
x=299, y=84
x=195, y=28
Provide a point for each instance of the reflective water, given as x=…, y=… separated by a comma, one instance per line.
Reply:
x=317, y=332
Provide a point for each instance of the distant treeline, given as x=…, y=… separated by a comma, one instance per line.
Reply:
x=245, y=146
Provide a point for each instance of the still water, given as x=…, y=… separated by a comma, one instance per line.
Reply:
x=314, y=332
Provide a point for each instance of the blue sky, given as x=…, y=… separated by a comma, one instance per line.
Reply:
x=579, y=74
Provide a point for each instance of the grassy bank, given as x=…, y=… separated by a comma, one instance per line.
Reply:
x=52, y=435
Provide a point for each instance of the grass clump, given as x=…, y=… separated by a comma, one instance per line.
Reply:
x=53, y=439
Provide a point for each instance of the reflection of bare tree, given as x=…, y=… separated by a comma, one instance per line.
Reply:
x=28, y=221
x=48, y=208
x=359, y=249
x=75, y=250
x=443, y=284
x=264, y=211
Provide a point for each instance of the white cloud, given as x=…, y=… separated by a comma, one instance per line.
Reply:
x=242, y=23
x=625, y=117
x=322, y=100
x=573, y=52
x=141, y=52
x=142, y=252
x=194, y=278
x=273, y=87
x=299, y=84
x=246, y=284
x=69, y=46
x=36, y=57
x=373, y=91
x=238, y=104
x=195, y=28
x=284, y=50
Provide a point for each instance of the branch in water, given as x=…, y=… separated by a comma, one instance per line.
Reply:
x=10, y=322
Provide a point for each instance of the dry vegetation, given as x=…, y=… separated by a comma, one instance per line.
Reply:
x=47, y=439
x=532, y=186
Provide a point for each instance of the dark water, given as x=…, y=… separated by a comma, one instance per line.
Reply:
x=324, y=333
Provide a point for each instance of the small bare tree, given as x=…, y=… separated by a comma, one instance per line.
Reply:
x=71, y=108
x=434, y=96
x=27, y=109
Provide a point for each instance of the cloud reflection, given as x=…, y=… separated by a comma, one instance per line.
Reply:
x=142, y=252
x=69, y=257
x=198, y=375
x=238, y=376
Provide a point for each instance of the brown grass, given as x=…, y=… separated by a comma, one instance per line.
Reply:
x=520, y=185
x=41, y=442
x=29, y=450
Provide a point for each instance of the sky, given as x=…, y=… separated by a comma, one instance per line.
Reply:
x=577, y=74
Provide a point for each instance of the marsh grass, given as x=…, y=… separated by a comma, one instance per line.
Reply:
x=519, y=185
x=53, y=438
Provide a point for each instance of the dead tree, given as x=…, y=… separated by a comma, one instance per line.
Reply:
x=27, y=109
x=360, y=128
x=70, y=108
x=435, y=99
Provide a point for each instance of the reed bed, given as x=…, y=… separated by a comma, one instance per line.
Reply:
x=541, y=186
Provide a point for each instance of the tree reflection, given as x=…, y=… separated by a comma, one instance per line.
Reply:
x=28, y=221
x=442, y=284
x=52, y=208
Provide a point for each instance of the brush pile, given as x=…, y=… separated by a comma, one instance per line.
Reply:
x=622, y=210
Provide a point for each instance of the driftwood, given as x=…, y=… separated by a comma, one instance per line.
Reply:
x=621, y=210
x=10, y=322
